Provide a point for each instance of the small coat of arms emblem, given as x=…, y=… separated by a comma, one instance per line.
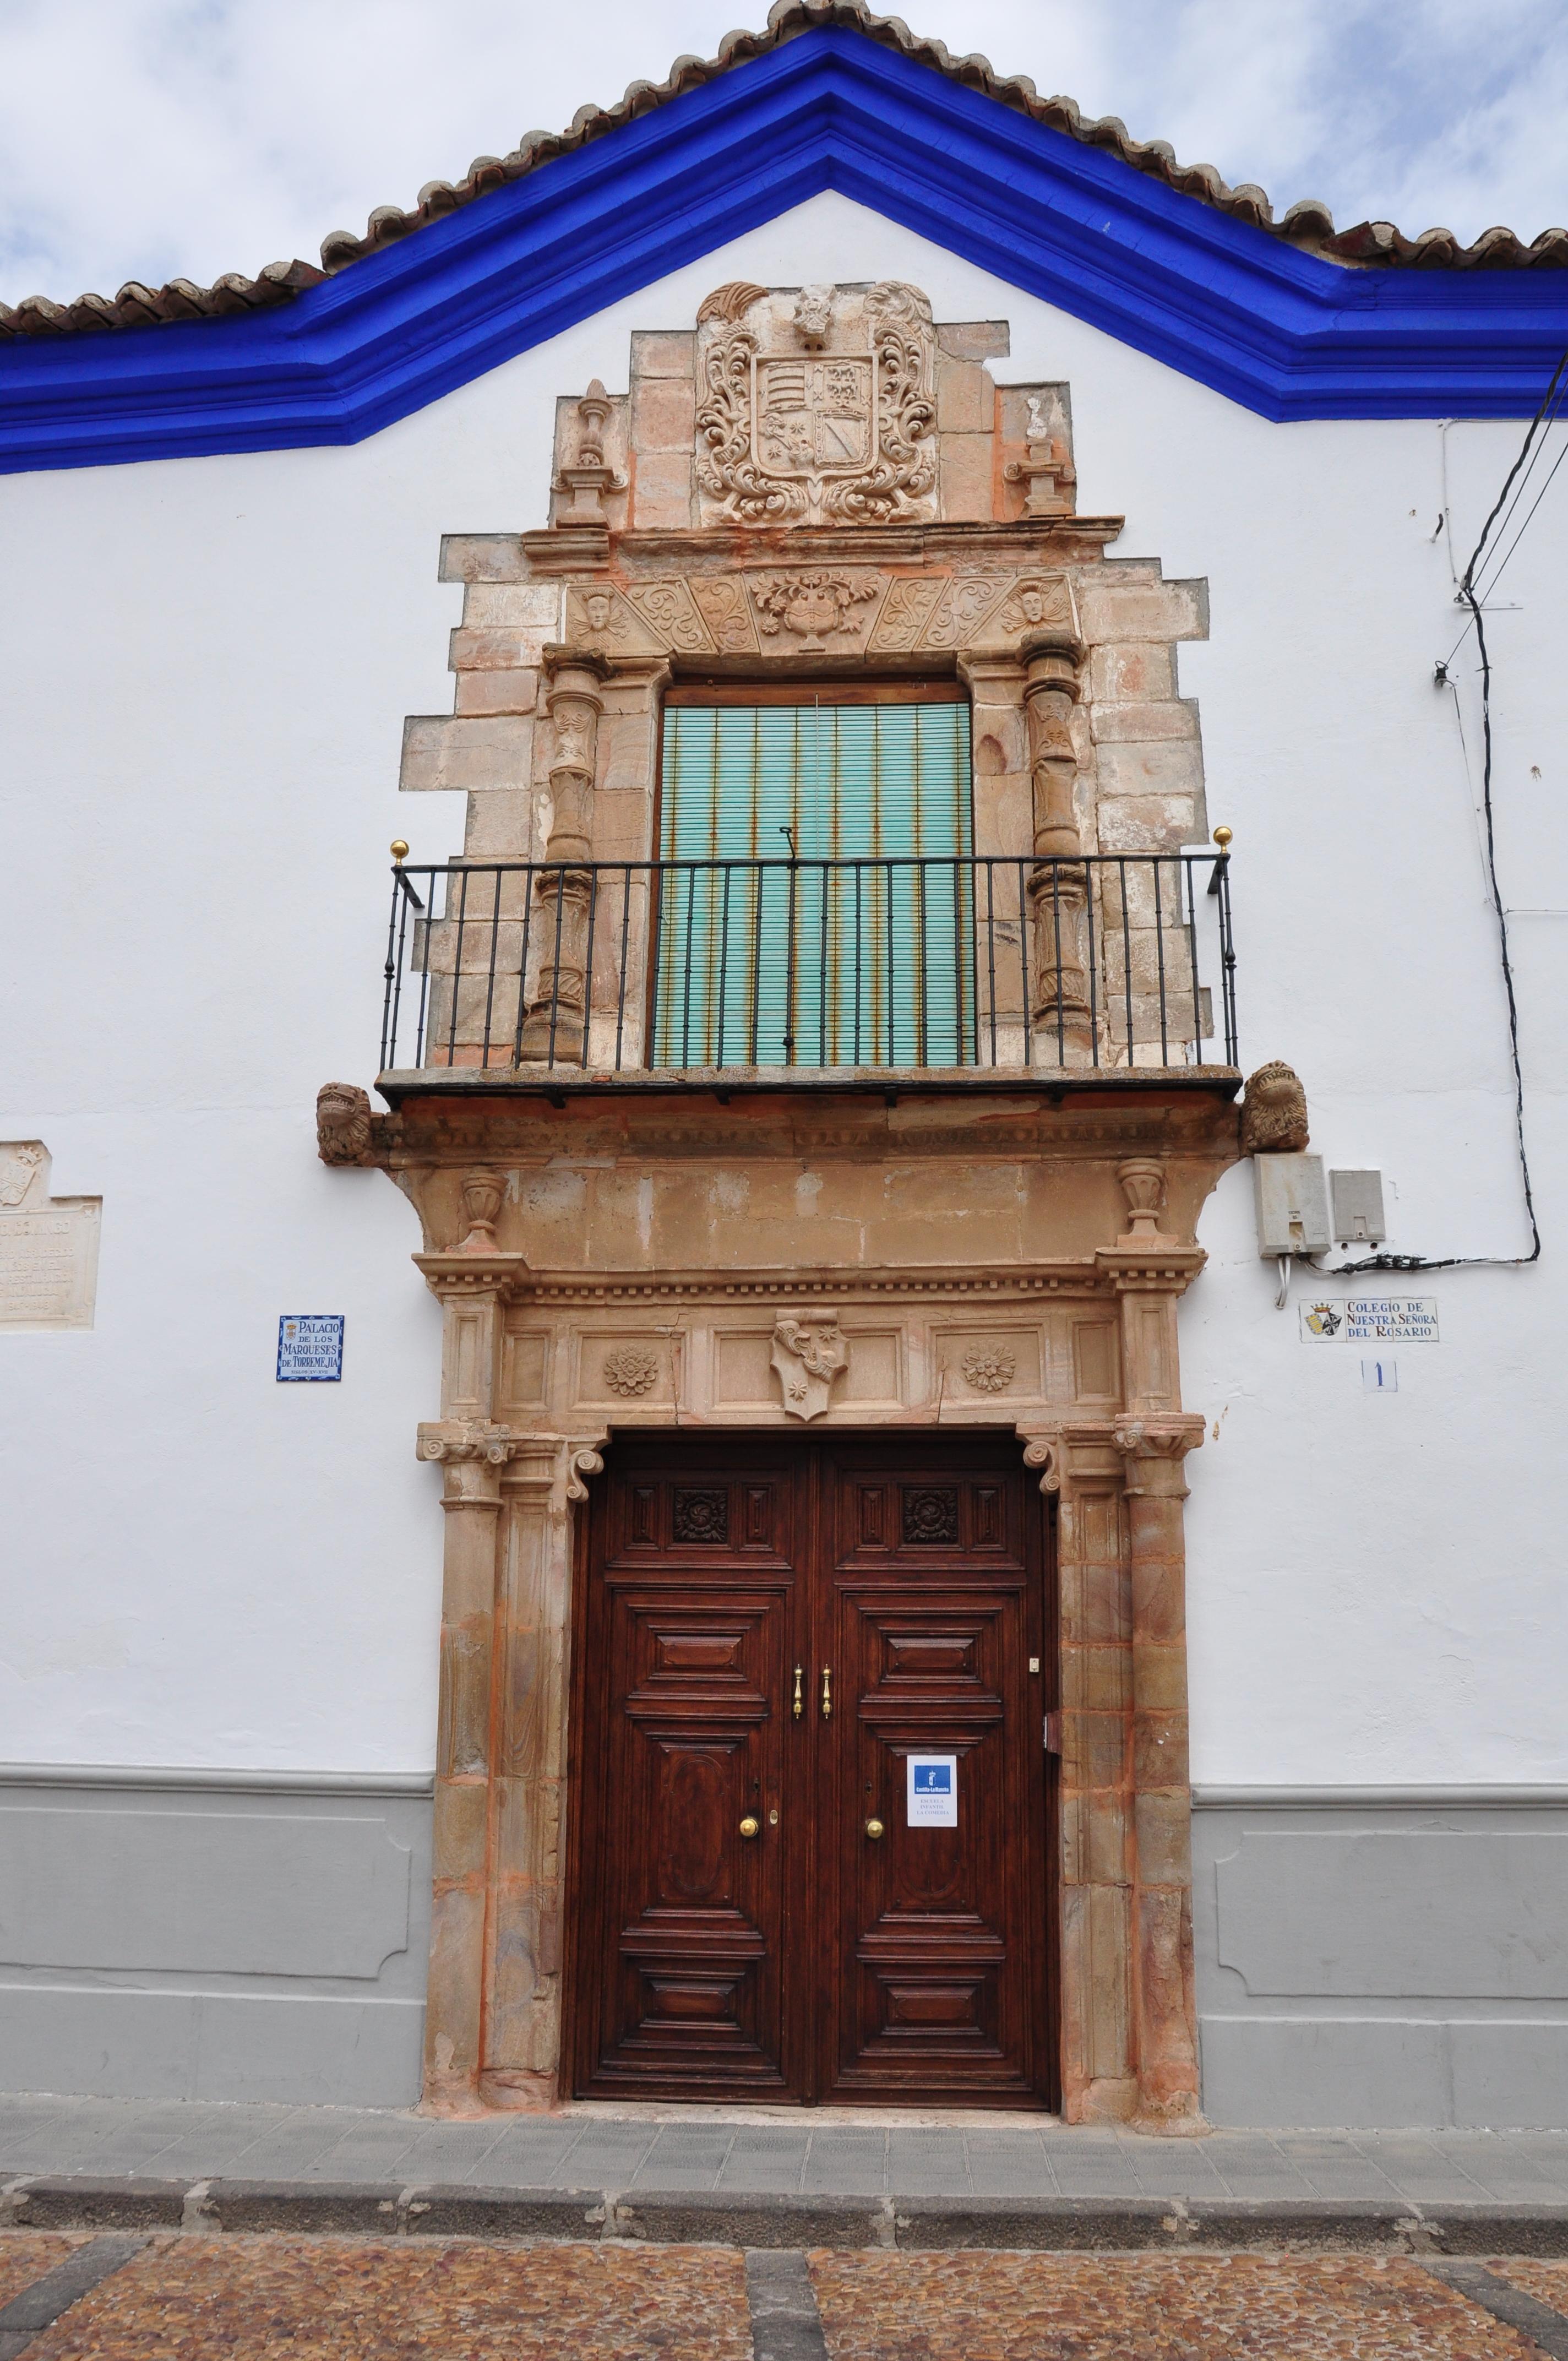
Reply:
x=814, y=418
x=1325, y=1319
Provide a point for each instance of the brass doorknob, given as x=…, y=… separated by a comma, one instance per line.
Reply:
x=874, y=1830
x=750, y=1826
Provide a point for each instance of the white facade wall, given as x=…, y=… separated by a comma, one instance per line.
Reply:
x=206, y=667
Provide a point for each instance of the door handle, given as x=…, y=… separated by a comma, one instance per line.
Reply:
x=799, y=1700
x=875, y=1830
x=826, y=1691
x=751, y=1826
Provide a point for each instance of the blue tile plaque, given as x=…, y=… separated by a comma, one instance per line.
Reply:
x=310, y=1348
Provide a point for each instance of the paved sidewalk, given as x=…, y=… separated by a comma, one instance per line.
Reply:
x=1001, y=2158
x=181, y=2297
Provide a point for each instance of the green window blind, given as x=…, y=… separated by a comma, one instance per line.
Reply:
x=857, y=951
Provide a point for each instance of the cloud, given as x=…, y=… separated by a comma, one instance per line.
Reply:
x=146, y=138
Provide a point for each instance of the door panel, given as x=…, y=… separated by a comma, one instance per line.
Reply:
x=687, y=1615
x=811, y=1959
x=938, y=1926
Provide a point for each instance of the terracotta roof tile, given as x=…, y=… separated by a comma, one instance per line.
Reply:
x=1308, y=224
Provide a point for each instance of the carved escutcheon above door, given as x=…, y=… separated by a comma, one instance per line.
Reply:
x=808, y=1353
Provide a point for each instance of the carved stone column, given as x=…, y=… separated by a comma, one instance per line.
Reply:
x=556, y=1022
x=1164, y=2006
x=1059, y=889
x=1095, y=1634
x=473, y=1449
x=1150, y=1270
x=520, y=2046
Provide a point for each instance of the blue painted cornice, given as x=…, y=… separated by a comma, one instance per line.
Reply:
x=1282, y=333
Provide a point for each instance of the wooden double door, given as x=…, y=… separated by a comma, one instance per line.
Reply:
x=809, y=1848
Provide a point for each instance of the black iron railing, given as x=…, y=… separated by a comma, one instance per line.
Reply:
x=1101, y=962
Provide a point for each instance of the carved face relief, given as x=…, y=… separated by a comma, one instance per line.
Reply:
x=598, y=617
x=1039, y=602
x=814, y=316
x=343, y=1128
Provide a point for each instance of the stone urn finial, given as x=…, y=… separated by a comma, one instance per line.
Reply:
x=483, y=1191
x=1142, y=1182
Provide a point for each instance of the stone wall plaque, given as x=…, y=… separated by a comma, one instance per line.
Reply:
x=49, y=1246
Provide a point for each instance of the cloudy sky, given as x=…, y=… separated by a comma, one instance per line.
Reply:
x=146, y=138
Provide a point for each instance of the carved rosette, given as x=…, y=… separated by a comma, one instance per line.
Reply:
x=989, y=1368
x=630, y=1370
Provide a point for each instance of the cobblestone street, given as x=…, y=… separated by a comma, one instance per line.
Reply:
x=172, y=2298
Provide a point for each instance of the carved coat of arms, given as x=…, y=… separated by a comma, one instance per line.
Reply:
x=807, y=1354
x=839, y=433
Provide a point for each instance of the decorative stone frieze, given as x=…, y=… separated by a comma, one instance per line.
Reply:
x=816, y=608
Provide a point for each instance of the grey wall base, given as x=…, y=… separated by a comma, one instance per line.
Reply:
x=1364, y=1959
x=1374, y=1963
x=202, y=1936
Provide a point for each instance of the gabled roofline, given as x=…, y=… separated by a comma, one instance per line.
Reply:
x=1308, y=224
x=1284, y=332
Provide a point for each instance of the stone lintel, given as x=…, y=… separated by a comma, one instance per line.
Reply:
x=1062, y=540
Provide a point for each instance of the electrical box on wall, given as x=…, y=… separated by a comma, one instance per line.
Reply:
x=1292, y=1204
x=1356, y=1202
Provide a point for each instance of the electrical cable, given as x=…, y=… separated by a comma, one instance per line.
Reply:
x=1468, y=593
x=1545, y=419
x=1502, y=562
